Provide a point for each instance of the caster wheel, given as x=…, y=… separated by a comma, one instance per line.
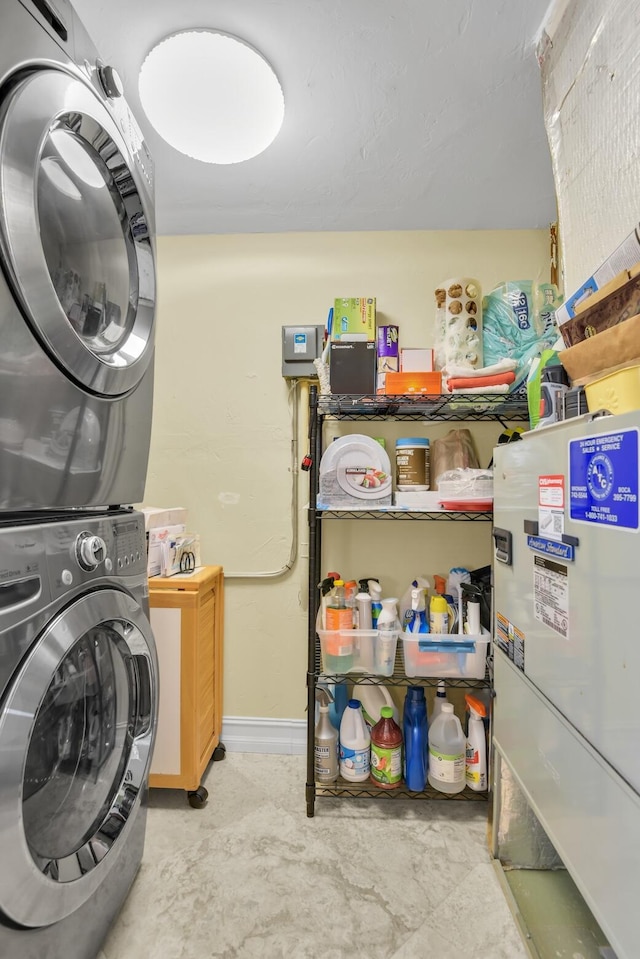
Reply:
x=198, y=797
x=219, y=753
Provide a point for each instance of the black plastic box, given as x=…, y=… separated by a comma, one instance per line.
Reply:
x=352, y=367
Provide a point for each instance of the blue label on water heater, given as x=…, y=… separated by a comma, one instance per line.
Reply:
x=551, y=547
x=603, y=479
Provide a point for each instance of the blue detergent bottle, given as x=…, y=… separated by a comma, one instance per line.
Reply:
x=416, y=738
x=337, y=707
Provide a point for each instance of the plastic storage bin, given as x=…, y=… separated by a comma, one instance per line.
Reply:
x=445, y=656
x=357, y=651
x=617, y=392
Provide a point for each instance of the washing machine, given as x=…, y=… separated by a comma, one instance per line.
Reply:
x=77, y=278
x=78, y=706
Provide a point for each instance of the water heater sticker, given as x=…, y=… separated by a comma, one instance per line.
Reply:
x=603, y=479
x=510, y=640
x=551, y=506
x=551, y=595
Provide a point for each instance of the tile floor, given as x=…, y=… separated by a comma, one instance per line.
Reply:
x=249, y=876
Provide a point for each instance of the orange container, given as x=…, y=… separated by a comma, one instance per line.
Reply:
x=419, y=384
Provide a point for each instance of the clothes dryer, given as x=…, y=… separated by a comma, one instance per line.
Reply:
x=78, y=706
x=77, y=279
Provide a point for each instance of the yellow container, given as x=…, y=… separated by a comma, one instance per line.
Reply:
x=617, y=392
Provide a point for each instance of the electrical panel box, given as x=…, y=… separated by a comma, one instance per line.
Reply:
x=300, y=347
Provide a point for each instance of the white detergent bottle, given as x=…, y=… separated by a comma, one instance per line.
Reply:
x=355, y=744
x=388, y=630
x=476, y=751
x=439, y=700
x=447, y=749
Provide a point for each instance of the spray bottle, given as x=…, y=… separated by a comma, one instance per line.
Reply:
x=375, y=591
x=415, y=620
x=325, y=742
x=388, y=630
x=476, y=748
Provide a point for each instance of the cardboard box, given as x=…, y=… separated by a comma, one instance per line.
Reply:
x=354, y=317
x=155, y=517
x=606, y=352
x=352, y=368
x=416, y=360
x=618, y=306
x=624, y=257
x=387, y=349
x=413, y=383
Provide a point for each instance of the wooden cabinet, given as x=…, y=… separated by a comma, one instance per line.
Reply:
x=187, y=618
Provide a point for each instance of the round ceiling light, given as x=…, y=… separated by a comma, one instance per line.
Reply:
x=211, y=96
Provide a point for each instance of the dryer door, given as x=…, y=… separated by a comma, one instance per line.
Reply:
x=76, y=733
x=74, y=232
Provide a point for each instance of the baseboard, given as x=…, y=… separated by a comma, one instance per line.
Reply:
x=246, y=734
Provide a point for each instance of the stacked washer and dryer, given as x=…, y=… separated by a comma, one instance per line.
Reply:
x=78, y=669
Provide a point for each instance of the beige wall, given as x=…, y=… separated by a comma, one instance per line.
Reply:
x=221, y=443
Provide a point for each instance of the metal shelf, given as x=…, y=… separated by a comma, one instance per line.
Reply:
x=367, y=790
x=502, y=408
x=395, y=514
x=451, y=407
x=398, y=679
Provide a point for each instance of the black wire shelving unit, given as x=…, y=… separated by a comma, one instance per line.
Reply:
x=501, y=408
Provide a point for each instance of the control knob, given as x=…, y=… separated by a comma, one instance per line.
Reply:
x=90, y=550
x=109, y=80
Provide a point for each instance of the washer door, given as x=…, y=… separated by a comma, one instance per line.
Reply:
x=76, y=732
x=74, y=232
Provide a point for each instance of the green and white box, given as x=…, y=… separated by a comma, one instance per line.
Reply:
x=354, y=318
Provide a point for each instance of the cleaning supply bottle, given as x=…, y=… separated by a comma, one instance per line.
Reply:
x=326, y=592
x=447, y=752
x=405, y=606
x=386, y=751
x=338, y=645
x=476, y=748
x=416, y=738
x=366, y=639
x=415, y=620
x=388, y=629
x=363, y=611
x=440, y=586
x=439, y=700
x=373, y=696
x=355, y=744
x=340, y=695
x=325, y=744
x=375, y=591
x=470, y=595
x=438, y=614
x=338, y=614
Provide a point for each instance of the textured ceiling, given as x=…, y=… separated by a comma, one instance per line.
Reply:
x=400, y=114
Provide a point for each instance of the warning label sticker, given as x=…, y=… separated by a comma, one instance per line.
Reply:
x=551, y=594
x=510, y=640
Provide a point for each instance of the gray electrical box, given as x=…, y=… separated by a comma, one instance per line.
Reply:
x=300, y=346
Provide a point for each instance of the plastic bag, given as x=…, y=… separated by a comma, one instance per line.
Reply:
x=519, y=323
x=454, y=450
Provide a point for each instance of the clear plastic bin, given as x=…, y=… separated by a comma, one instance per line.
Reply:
x=358, y=651
x=445, y=656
